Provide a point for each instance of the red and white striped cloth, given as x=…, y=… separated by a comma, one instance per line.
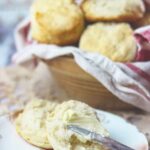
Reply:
x=128, y=81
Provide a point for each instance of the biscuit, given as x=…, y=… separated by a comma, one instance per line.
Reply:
x=113, y=40
x=30, y=124
x=143, y=21
x=56, y=22
x=113, y=10
x=76, y=113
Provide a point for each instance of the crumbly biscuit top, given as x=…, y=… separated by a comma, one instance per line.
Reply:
x=56, y=22
x=108, y=10
x=114, y=40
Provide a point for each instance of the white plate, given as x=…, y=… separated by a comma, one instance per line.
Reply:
x=123, y=131
x=118, y=128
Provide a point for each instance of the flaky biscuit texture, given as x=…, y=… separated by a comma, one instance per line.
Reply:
x=30, y=124
x=75, y=113
x=113, y=40
x=56, y=22
x=113, y=10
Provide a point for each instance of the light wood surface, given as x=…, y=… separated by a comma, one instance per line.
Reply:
x=80, y=85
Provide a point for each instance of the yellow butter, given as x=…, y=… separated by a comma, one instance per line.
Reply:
x=76, y=113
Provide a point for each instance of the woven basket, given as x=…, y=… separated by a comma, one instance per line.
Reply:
x=81, y=86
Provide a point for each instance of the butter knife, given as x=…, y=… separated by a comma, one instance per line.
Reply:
x=106, y=141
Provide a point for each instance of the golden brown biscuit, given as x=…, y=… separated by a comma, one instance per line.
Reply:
x=31, y=123
x=75, y=113
x=113, y=10
x=143, y=21
x=113, y=40
x=56, y=22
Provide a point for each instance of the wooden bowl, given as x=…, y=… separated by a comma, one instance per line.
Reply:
x=81, y=86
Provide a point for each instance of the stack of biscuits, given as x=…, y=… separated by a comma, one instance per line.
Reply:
x=101, y=26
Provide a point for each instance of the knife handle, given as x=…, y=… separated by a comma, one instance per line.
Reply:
x=109, y=143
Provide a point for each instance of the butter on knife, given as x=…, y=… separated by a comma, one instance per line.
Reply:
x=106, y=141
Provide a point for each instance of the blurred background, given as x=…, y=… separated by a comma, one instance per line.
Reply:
x=11, y=13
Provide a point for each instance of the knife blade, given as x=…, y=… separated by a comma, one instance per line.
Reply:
x=106, y=141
